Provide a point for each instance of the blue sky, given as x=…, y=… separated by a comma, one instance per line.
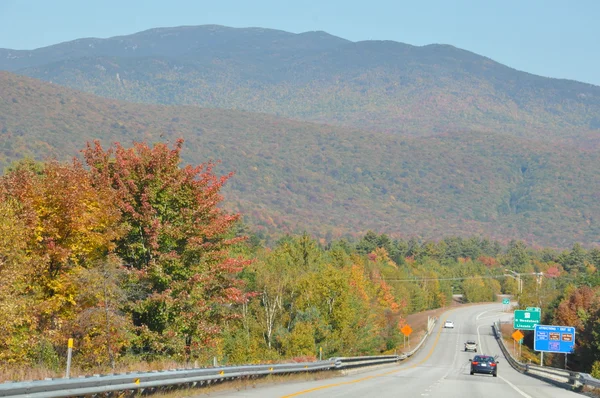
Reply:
x=546, y=37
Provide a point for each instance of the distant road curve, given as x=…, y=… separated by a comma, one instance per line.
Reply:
x=440, y=369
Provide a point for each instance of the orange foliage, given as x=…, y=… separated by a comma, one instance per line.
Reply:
x=489, y=262
x=386, y=297
x=569, y=310
x=359, y=281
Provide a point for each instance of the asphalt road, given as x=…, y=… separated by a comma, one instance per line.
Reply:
x=439, y=369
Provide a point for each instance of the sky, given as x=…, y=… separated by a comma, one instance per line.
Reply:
x=553, y=38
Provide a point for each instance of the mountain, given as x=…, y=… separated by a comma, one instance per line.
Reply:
x=330, y=180
x=187, y=41
x=372, y=85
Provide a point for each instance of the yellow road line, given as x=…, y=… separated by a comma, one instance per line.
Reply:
x=437, y=338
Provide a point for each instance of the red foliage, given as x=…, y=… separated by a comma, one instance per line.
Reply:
x=552, y=272
x=489, y=262
x=176, y=230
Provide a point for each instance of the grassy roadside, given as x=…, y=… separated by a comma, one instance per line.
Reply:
x=417, y=321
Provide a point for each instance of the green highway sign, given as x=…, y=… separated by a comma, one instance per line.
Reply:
x=526, y=320
x=505, y=301
x=538, y=309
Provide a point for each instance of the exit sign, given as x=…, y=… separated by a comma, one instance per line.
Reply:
x=526, y=320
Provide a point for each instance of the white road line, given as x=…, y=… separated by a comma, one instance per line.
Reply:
x=453, y=359
x=484, y=312
x=517, y=389
x=488, y=317
x=479, y=339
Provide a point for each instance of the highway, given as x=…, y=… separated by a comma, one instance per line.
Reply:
x=439, y=369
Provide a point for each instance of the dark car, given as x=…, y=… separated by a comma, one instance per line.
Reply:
x=484, y=364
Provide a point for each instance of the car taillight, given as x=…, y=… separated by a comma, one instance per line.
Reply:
x=475, y=363
x=493, y=364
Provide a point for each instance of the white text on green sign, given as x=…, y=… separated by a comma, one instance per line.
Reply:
x=526, y=320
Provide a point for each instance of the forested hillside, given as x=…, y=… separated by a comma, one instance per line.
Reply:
x=130, y=254
x=381, y=85
x=293, y=176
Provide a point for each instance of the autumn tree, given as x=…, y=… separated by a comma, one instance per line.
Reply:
x=103, y=331
x=17, y=324
x=182, y=279
x=580, y=308
x=68, y=223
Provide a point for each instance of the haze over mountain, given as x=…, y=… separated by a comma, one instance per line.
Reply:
x=373, y=85
x=329, y=180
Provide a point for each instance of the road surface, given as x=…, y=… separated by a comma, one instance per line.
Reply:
x=439, y=369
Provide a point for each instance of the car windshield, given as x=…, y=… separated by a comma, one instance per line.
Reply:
x=470, y=342
x=483, y=359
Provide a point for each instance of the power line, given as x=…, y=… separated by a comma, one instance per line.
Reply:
x=460, y=278
x=444, y=279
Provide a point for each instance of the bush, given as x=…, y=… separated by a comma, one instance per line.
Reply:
x=596, y=370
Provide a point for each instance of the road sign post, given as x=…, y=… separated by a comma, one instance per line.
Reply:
x=518, y=336
x=526, y=320
x=406, y=331
x=505, y=304
x=69, y=355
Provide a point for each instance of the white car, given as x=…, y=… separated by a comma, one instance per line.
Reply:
x=471, y=345
x=449, y=324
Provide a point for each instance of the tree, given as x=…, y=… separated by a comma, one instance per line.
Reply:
x=101, y=329
x=73, y=220
x=368, y=243
x=18, y=325
x=477, y=290
x=182, y=279
x=70, y=223
x=580, y=308
x=573, y=261
x=275, y=284
x=517, y=258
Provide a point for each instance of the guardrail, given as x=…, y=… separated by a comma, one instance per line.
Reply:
x=148, y=382
x=548, y=373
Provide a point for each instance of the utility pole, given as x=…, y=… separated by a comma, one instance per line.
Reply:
x=538, y=287
x=517, y=278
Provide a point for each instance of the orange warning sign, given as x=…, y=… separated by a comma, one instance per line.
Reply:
x=517, y=335
x=406, y=330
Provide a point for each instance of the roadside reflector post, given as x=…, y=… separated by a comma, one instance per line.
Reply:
x=320, y=353
x=69, y=355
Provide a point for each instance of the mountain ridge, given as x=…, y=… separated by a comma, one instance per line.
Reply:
x=329, y=180
x=313, y=76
